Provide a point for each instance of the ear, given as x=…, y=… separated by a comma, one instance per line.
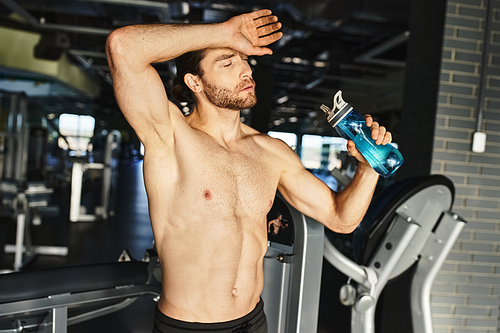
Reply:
x=193, y=82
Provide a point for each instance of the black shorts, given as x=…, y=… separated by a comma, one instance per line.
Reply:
x=254, y=322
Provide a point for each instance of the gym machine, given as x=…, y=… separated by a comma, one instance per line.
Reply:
x=109, y=166
x=292, y=270
x=14, y=137
x=21, y=154
x=408, y=230
x=27, y=203
x=409, y=224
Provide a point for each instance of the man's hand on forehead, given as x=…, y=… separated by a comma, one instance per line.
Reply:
x=251, y=32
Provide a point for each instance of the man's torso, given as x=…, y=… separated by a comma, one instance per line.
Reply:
x=208, y=207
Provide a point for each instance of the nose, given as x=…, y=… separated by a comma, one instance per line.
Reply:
x=246, y=71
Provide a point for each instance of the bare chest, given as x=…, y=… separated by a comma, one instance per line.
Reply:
x=241, y=182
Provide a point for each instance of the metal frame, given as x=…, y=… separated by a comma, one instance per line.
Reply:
x=76, y=213
x=24, y=206
x=17, y=139
x=50, y=311
x=292, y=278
x=57, y=305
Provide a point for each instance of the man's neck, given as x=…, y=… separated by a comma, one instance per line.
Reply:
x=222, y=124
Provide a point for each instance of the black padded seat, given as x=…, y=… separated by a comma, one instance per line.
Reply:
x=41, y=283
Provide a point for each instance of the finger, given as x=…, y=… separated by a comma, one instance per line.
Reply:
x=368, y=120
x=266, y=40
x=260, y=51
x=381, y=135
x=260, y=13
x=387, y=138
x=269, y=29
x=355, y=152
x=351, y=148
x=265, y=20
x=375, y=129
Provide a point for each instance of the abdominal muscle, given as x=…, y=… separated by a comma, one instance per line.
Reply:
x=211, y=265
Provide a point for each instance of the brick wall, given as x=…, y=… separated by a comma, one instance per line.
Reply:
x=466, y=293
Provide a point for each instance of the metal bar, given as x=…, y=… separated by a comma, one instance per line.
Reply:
x=45, y=304
x=59, y=319
x=402, y=233
x=18, y=256
x=15, y=7
x=344, y=264
x=43, y=250
x=100, y=312
x=137, y=3
x=367, y=57
x=75, y=29
x=484, y=64
x=434, y=253
x=86, y=53
x=33, y=21
x=76, y=191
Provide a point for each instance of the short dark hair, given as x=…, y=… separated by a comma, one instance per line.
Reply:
x=187, y=63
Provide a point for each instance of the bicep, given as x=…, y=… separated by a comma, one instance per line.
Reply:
x=306, y=192
x=138, y=88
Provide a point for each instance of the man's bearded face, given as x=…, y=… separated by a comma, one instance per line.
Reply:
x=229, y=99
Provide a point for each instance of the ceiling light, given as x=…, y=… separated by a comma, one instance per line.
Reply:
x=281, y=98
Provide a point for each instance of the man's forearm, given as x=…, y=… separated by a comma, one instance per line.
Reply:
x=146, y=44
x=354, y=200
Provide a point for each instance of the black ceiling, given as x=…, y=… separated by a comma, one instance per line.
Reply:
x=354, y=45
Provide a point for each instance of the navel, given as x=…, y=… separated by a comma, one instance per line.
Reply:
x=207, y=195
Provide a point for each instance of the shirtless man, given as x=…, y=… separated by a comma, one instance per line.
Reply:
x=210, y=179
x=276, y=225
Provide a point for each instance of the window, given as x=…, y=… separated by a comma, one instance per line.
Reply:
x=78, y=131
x=322, y=152
x=311, y=151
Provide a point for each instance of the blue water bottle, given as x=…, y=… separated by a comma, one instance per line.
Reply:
x=384, y=159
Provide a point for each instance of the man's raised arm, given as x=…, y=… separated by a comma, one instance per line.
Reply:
x=131, y=50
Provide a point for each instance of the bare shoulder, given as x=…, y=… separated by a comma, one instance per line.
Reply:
x=274, y=146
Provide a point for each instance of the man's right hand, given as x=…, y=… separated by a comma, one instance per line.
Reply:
x=249, y=33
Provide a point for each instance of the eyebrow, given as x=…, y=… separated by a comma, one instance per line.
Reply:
x=225, y=57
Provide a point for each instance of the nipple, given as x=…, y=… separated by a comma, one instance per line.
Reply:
x=207, y=195
x=234, y=292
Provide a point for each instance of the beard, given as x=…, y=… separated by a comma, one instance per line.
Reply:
x=227, y=99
